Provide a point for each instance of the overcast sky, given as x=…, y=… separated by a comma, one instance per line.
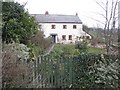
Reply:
x=87, y=9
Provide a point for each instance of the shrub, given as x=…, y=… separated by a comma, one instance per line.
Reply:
x=82, y=47
x=18, y=25
x=96, y=71
x=14, y=68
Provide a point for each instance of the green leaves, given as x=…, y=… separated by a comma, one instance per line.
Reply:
x=82, y=47
x=96, y=71
x=18, y=25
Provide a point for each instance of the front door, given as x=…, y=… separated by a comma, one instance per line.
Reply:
x=54, y=36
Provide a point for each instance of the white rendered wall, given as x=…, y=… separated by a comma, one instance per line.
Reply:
x=46, y=27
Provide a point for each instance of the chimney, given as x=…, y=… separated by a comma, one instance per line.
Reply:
x=46, y=13
x=76, y=14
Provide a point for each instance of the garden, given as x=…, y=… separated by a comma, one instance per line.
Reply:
x=67, y=66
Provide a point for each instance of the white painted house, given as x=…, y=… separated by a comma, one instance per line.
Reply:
x=62, y=28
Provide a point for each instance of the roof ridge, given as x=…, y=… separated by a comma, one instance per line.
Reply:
x=55, y=14
x=60, y=18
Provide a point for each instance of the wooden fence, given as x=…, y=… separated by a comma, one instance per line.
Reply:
x=61, y=72
x=69, y=71
x=49, y=73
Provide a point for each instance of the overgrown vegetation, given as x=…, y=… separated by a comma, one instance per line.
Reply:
x=76, y=66
x=22, y=44
x=18, y=25
x=39, y=43
x=75, y=50
x=89, y=69
x=95, y=50
x=96, y=71
x=15, y=71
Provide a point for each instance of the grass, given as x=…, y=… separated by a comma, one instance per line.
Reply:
x=61, y=46
x=70, y=48
x=95, y=50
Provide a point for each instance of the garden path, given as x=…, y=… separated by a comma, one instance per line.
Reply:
x=47, y=52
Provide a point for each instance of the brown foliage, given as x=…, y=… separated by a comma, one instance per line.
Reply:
x=39, y=40
x=12, y=69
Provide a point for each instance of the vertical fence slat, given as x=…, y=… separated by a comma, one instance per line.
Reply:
x=58, y=74
x=42, y=70
x=49, y=71
x=61, y=74
x=64, y=72
x=70, y=71
x=44, y=80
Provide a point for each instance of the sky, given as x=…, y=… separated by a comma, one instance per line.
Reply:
x=87, y=9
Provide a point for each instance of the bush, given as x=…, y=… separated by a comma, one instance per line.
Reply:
x=82, y=47
x=18, y=25
x=14, y=68
x=96, y=71
x=39, y=43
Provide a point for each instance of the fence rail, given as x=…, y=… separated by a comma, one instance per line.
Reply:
x=61, y=72
x=49, y=73
x=64, y=71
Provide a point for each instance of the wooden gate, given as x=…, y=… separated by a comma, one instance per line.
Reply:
x=52, y=73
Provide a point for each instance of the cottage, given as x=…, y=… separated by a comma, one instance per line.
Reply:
x=62, y=28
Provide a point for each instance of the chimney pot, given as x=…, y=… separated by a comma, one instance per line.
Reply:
x=76, y=14
x=46, y=13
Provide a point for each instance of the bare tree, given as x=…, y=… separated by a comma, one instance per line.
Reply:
x=109, y=8
x=119, y=28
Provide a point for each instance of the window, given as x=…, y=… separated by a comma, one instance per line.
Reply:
x=83, y=37
x=64, y=26
x=74, y=26
x=87, y=37
x=52, y=26
x=70, y=37
x=63, y=37
x=40, y=27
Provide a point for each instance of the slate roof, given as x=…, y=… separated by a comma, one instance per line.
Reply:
x=54, y=18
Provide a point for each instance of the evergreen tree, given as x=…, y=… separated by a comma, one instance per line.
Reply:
x=17, y=24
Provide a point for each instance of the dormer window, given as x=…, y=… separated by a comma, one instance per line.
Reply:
x=64, y=26
x=52, y=26
x=74, y=26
